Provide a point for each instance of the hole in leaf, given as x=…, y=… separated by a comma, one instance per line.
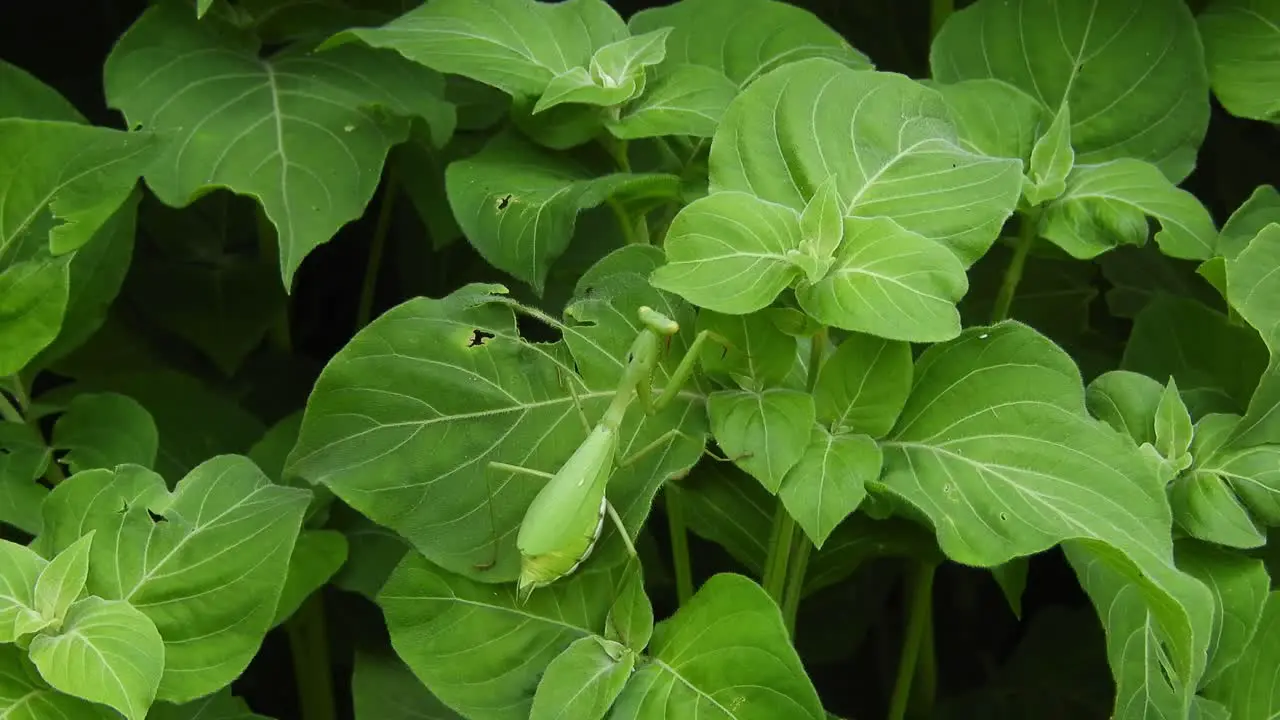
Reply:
x=154, y=517
x=478, y=337
x=504, y=202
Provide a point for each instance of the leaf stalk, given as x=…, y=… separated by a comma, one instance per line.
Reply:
x=309, y=645
x=1030, y=222
x=377, y=248
x=921, y=590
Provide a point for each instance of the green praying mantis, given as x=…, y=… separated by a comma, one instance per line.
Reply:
x=566, y=518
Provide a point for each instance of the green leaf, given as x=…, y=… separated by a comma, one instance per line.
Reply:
x=1248, y=687
x=1133, y=75
x=1254, y=474
x=1240, y=40
x=1143, y=651
x=373, y=551
x=19, y=573
x=107, y=652
x=1107, y=205
x=78, y=175
x=1260, y=209
x=684, y=100
x=103, y=430
x=765, y=433
x=1239, y=586
x=33, y=299
x=1002, y=392
x=725, y=506
x=1051, y=159
x=795, y=126
x=384, y=688
x=517, y=46
x=759, y=354
x=317, y=557
x=729, y=252
x=518, y=203
x=63, y=579
x=382, y=425
x=294, y=130
x=728, y=614
x=743, y=39
x=630, y=620
x=1206, y=509
x=23, y=459
x=583, y=680
x=1216, y=363
x=623, y=62
x=24, y=95
x=577, y=87
x=218, y=706
x=889, y=282
x=1010, y=133
x=829, y=481
x=822, y=228
x=206, y=563
x=864, y=384
x=1173, y=427
x=1251, y=287
x=1128, y=402
x=474, y=646
x=1137, y=275
x=24, y=695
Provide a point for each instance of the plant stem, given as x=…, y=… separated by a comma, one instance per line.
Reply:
x=775, y=565
x=8, y=411
x=921, y=589
x=364, y=310
x=1013, y=273
x=795, y=582
x=269, y=251
x=939, y=12
x=924, y=690
x=309, y=645
x=679, y=546
x=629, y=233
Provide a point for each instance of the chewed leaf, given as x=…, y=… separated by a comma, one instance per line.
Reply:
x=888, y=140
x=1133, y=73
x=295, y=131
x=517, y=46
x=889, y=282
x=729, y=252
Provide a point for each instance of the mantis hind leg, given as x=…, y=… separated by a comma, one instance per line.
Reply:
x=665, y=438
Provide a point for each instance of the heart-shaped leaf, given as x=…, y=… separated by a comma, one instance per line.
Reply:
x=829, y=481
x=765, y=433
x=583, y=680
x=1240, y=39
x=103, y=430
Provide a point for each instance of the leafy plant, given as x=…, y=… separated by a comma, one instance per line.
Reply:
x=988, y=427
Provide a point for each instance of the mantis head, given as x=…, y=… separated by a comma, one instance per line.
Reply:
x=657, y=322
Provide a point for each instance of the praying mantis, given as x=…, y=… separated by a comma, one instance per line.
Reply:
x=566, y=518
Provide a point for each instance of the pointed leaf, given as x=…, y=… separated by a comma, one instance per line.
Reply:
x=864, y=384
x=516, y=46
x=518, y=203
x=830, y=481
x=1206, y=509
x=63, y=579
x=474, y=646
x=206, y=563
x=623, y=62
x=1239, y=584
x=24, y=695
x=729, y=252
x=317, y=556
x=685, y=100
x=107, y=652
x=905, y=165
x=630, y=620
x=1248, y=687
x=33, y=299
x=23, y=459
x=764, y=433
x=1128, y=402
x=1010, y=133
x=1258, y=211
x=577, y=86
x=1240, y=41
x=294, y=131
x=729, y=617
x=24, y=95
x=822, y=225
x=1173, y=429
x=583, y=680
x=383, y=688
x=103, y=430
x=1252, y=287
x=1133, y=74
x=20, y=569
x=889, y=282
x=1051, y=159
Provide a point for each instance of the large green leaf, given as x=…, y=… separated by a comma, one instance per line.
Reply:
x=24, y=695
x=105, y=651
x=1126, y=401
x=1252, y=285
x=684, y=100
x=1242, y=48
x=583, y=680
x=103, y=430
x=765, y=433
x=759, y=354
x=33, y=298
x=518, y=203
x=317, y=556
x=206, y=563
x=725, y=653
x=888, y=140
x=23, y=459
x=995, y=447
x=295, y=131
x=405, y=419
x=1248, y=687
x=23, y=95
x=218, y=706
x=517, y=46
x=384, y=688
x=995, y=118
x=62, y=580
x=864, y=384
x=1107, y=205
x=743, y=39
x=474, y=646
x=829, y=481
x=1240, y=585
x=1133, y=73
x=1260, y=209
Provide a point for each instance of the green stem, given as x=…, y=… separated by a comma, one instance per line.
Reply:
x=795, y=583
x=940, y=10
x=8, y=411
x=679, y=545
x=309, y=644
x=924, y=691
x=775, y=564
x=1013, y=273
x=364, y=310
x=268, y=249
x=629, y=233
x=921, y=588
